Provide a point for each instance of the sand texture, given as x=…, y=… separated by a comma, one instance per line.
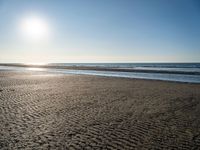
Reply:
x=49, y=111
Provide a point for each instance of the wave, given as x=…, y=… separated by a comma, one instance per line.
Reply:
x=178, y=76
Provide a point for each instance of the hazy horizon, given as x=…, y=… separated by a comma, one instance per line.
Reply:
x=107, y=31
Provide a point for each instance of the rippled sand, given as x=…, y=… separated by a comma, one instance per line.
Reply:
x=49, y=111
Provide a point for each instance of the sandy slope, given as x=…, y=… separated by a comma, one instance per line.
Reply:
x=43, y=111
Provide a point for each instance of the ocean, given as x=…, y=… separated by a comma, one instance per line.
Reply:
x=178, y=72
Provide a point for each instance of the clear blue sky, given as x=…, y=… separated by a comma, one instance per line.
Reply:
x=103, y=31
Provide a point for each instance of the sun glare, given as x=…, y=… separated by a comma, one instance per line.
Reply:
x=35, y=63
x=34, y=28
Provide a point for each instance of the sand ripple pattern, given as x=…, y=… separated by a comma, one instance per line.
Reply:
x=46, y=111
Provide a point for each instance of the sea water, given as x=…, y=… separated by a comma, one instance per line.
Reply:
x=186, y=72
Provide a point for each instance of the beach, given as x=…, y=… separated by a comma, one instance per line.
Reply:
x=41, y=110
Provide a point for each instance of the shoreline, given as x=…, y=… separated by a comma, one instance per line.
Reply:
x=29, y=72
x=97, y=68
x=96, y=71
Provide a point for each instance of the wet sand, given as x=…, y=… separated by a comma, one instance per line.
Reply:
x=49, y=111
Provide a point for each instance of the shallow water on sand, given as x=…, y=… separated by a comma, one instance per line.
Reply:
x=137, y=75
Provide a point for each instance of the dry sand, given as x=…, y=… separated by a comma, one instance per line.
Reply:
x=49, y=111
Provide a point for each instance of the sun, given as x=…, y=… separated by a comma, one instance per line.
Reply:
x=34, y=28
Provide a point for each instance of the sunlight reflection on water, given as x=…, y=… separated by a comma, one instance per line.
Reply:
x=36, y=64
x=35, y=69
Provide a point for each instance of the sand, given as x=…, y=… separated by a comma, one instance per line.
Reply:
x=49, y=111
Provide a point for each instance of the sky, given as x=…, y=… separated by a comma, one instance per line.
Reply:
x=99, y=31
